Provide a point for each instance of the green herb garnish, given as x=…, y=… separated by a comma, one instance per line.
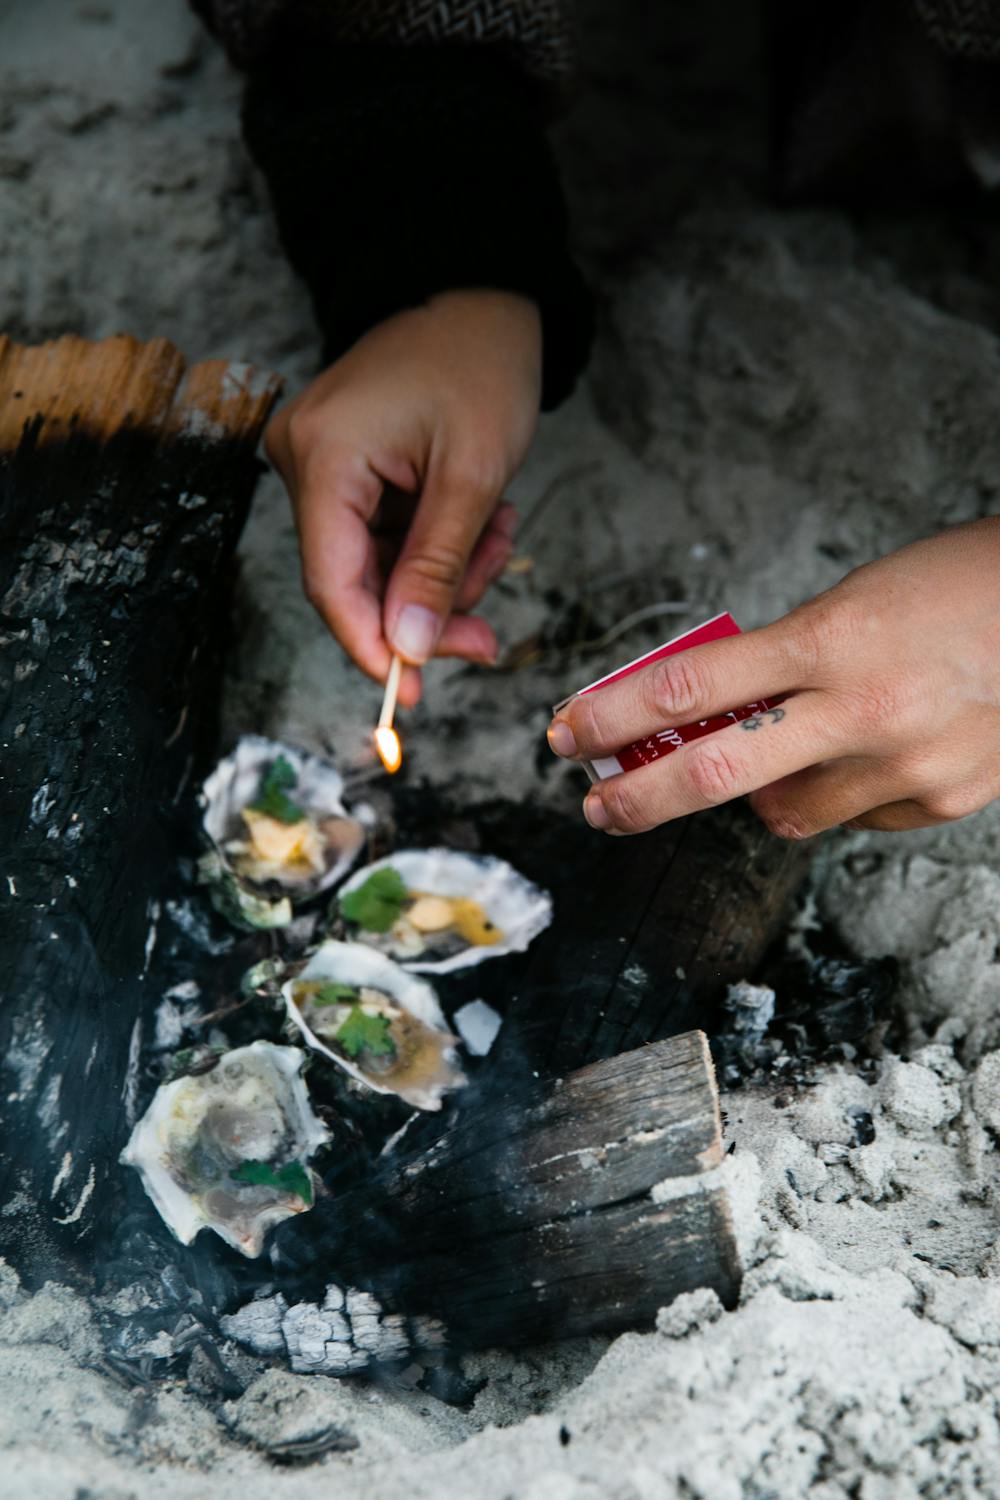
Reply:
x=376, y=905
x=334, y=994
x=362, y=1032
x=272, y=797
x=291, y=1178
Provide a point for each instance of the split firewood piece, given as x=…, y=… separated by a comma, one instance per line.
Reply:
x=124, y=483
x=546, y=1210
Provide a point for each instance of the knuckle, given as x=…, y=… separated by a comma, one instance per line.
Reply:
x=676, y=687
x=585, y=721
x=476, y=475
x=439, y=563
x=808, y=639
x=824, y=632
x=949, y=804
x=780, y=820
x=624, y=807
x=890, y=707
x=713, y=772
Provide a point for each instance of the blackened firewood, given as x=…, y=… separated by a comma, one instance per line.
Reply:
x=549, y=1208
x=124, y=483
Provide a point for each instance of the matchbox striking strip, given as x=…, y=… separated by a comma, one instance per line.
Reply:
x=643, y=752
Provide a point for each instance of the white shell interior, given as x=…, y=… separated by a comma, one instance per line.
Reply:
x=519, y=908
x=235, y=782
x=269, y=1077
x=356, y=964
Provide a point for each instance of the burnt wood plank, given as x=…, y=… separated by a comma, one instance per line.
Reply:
x=572, y=1206
x=124, y=483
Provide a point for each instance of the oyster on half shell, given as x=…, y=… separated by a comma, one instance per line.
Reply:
x=279, y=832
x=228, y=1149
x=437, y=910
x=381, y=1025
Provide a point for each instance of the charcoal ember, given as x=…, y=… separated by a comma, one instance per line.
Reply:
x=148, y=1275
x=208, y=1374
x=447, y=1382
x=741, y=1049
x=306, y=1450
x=817, y=1007
x=864, y=1126
x=257, y=1325
x=836, y=1001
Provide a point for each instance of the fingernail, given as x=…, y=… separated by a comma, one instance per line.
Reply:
x=595, y=813
x=506, y=524
x=415, y=633
x=561, y=738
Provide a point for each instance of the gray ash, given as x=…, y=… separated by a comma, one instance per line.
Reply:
x=812, y=1010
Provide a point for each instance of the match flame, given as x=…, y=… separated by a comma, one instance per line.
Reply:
x=389, y=749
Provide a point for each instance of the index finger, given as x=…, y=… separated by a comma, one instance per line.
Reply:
x=720, y=767
x=680, y=689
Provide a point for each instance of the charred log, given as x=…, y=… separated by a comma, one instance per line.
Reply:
x=572, y=1206
x=124, y=483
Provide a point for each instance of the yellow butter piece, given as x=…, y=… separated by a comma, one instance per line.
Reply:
x=472, y=923
x=431, y=913
x=283, y=843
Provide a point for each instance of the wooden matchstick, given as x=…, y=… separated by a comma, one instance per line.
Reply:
x=388, y=713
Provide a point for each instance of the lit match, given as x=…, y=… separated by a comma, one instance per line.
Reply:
x=386, y=739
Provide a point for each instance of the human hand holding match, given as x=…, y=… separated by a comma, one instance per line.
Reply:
x=891, y=719
x=395, y=459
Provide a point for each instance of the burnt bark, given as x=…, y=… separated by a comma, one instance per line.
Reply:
x=124, y=484
x=564, y=1207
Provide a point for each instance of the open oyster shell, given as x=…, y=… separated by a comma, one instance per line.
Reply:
x=259, y=867
x=250, y=1116
x=506, y=911
x=412, y=1052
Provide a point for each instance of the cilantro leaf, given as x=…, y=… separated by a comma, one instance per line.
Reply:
x=362, y=1032
x=376, y=905
x=334, y=994
x=296, y=1179
x=272, y=797
x=291, y=1178
x=281, y=774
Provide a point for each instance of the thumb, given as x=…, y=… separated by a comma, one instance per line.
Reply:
x=449, y=520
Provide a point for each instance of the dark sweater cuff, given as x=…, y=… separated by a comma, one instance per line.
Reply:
x=397, y=173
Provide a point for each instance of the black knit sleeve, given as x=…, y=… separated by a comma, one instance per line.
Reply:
x=400, y=172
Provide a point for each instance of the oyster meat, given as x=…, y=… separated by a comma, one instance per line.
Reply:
x=437, y=910
x=228, y=1149
x=278, y=829
x=381, y=1025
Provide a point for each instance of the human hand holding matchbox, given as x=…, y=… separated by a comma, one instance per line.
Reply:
x=665, y=741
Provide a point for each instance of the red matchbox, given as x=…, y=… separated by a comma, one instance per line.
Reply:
x=667, y=740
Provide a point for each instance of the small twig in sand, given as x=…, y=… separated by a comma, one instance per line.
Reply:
x=638, y=617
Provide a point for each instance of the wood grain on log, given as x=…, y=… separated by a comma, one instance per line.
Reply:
x=556, y=1208
x=124, y=483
